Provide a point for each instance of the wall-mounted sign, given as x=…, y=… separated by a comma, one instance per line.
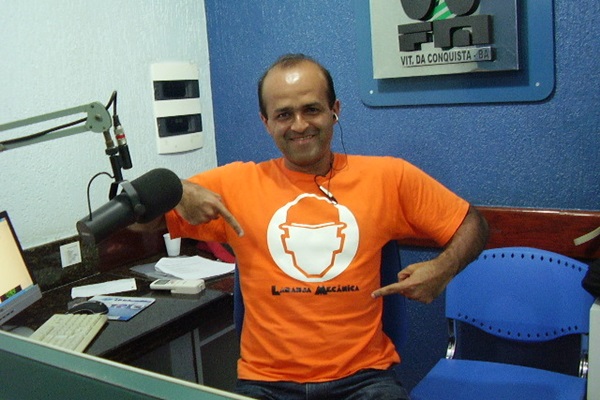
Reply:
x=437, y=37
x=414, y=52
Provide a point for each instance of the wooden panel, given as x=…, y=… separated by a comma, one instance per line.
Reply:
x=546, y=229
x=127, y=246
x=552, y=230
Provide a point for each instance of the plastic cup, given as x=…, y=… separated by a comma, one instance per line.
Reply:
x=173, y=245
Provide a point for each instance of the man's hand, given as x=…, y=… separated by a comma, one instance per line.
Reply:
x=422, y=282
x=199, y=205
x=426, y=280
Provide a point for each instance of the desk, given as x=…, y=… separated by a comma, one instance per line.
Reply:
x=189, y=337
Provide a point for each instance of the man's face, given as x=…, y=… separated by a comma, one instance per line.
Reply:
x=298, y=116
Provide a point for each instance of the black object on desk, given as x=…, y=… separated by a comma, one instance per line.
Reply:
x=89, y=307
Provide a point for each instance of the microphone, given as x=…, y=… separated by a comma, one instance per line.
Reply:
x=122, y=143
x=142, y=200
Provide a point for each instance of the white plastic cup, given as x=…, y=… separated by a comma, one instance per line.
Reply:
x=173, y=245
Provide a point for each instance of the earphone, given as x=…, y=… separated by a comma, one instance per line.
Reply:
x=335, y=116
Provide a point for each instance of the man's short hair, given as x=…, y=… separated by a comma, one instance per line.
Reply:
x=290, y=60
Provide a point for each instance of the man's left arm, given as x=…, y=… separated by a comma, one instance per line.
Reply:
x=426, y=280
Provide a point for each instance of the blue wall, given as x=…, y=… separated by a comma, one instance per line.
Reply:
x=541, y=155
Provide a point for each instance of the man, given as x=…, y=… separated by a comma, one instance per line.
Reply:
x=307, y=230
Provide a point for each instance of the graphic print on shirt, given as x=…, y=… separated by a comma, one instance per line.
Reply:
x=311, y=239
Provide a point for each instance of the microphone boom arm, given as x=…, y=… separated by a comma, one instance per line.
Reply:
x=98, y=120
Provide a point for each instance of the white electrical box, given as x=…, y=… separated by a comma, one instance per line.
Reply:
x=177, y=107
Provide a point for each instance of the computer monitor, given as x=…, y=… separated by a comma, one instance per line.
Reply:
x=64, y=374
x=18, y=289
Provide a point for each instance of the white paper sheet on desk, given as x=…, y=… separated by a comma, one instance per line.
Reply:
x=195, y=267
x=118, y=286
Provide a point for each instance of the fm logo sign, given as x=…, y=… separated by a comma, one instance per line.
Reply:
x=461, y=31
x=442, y=37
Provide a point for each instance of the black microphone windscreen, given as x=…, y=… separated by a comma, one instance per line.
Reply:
x=142, y=200
x=159, y=190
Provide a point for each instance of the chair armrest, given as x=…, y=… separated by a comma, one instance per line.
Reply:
x=593, y=371
x=451, y=350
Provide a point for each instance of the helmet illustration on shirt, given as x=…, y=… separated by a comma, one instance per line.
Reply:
x=312, y=239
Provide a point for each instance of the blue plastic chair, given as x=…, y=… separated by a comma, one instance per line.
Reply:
x=395, y=316
x=518, y=326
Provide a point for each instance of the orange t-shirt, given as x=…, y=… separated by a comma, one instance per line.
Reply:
x=308, y=266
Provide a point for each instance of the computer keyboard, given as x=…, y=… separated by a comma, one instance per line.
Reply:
x=70, y=331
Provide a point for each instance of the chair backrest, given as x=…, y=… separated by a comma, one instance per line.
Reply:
x=522, y=295
x=395, y=318
x=395, y=315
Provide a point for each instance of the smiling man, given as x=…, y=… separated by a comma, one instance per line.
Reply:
x=316, y=219
x=299, y=118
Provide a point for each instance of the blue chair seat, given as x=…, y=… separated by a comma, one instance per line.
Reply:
x=466, y=379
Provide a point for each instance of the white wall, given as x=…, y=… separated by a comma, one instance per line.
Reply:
x=56, y=54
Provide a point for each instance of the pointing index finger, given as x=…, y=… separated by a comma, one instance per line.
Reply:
x=394, y=288
x=230, y=219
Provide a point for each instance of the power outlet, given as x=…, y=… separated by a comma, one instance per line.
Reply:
x=70, y=254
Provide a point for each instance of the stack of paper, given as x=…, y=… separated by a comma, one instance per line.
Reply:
x=195, y=267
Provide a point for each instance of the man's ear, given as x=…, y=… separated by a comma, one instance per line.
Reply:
x=336, y=108
x=265, y=122
x=263, y=119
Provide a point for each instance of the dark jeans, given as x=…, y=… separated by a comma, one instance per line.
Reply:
x=364, y=385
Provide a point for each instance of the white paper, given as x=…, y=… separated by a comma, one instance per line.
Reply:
x=195, y=267
x=120, y=285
